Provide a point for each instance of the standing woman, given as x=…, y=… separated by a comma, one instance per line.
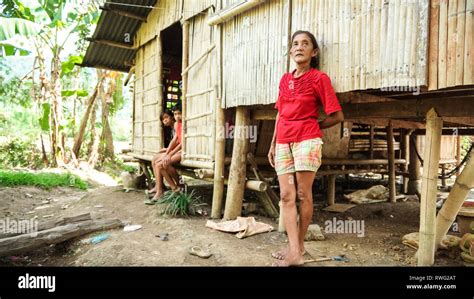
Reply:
x=296, y=148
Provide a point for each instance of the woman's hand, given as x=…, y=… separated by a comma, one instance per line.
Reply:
x=271, y=155
x=166, y=160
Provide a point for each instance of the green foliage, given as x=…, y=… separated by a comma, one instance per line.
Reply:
x=114, y=167
x=179, y=203
x=78, y=93
x=16, y=9
x=44, y=119
x=41, y=179
x=118, y=99
x=15, y=91
x=10, y=27
x=19, y=153
x=68, y=66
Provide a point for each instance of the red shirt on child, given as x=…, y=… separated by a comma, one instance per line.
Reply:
x=298, y=103
x=179, y=131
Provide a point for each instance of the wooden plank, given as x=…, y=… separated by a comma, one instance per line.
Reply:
x=469, y=44
x=443, y=40
x=460, y=37
x=433, y=46
x=452, y=37
x=410, y=109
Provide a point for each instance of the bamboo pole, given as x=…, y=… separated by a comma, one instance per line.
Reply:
x=434, y=126
x=331, y=189
x=159, y=107
x=185, y=61
x=237, y=173
x=371, y=142
x=414, y=168
x=405, y=149
x=458, y=152
x=219, y=166
x=461, y=188
x=391, y=164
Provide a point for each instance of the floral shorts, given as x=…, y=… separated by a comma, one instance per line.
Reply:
x=298, y=156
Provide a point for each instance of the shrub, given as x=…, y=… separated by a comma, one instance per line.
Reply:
x=17, y=152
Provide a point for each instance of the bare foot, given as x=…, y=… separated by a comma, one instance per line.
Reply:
x=157, y=195
x=290, y=260
x=281, y=254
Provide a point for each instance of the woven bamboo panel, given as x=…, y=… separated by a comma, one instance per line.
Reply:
x=451, y=44
x=200, y=99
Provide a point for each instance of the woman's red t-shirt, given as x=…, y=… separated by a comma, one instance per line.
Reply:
x=298, y=103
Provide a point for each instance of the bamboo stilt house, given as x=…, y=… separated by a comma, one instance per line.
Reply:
x=390, y=61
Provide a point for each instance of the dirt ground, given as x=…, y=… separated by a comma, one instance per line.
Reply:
x=385, y=224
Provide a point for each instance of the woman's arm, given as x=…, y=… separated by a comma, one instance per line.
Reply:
x=332, y=120
x=271, y=153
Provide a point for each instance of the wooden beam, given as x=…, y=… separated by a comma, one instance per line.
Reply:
x=123, y=13
x=410, y=109
x=112, y=43
x=396, y=123
x=331, y=194
x=371, y=141
x=429, y=190
x=392, y=187
x=266, y=114
x=414, y=168
x=449, y=132
x=360, y=97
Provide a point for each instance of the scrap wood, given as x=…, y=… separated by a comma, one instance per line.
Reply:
x=53, y=223
x=412, y=240
x=27, y=242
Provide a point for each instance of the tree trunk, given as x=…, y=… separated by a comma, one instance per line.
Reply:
x=106, y=149
x=57, y=135
x=27, y=242
x=90, y=105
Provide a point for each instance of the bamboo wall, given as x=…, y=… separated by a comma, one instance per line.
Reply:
x=147, y=130
x=451, y=45
x=165, y=13
x=370, y=43
x=364, y=44
x=200, y=96
x=255, y=44
x=192, y=8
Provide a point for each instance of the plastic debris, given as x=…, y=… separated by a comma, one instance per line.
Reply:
x=131, y=228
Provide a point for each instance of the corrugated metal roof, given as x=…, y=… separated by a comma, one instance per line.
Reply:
x=116, y=28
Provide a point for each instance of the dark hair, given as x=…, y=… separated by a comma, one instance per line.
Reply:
x=166, y=111
x=314, y=60
x=177, y=107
